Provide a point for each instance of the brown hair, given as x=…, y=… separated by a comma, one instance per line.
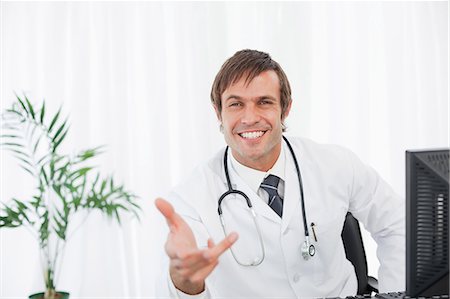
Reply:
x=249, y=63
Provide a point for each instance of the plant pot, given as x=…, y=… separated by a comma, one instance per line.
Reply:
x=59, y=295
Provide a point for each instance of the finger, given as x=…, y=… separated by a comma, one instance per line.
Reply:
x=193, y=264
x=191, y=259
x=194, y=274
x=166, y=210
x=220, y=248
x=202, y=262
x=188, y=266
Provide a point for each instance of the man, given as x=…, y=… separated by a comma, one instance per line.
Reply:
x=273, y=257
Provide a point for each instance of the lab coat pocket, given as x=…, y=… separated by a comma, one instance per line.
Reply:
x=326, y=237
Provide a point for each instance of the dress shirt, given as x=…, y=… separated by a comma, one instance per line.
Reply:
x=254, y=177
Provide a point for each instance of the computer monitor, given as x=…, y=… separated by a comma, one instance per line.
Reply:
x=427, y=212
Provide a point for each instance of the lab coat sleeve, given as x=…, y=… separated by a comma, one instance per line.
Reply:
x=165, y=287
x=382, y=212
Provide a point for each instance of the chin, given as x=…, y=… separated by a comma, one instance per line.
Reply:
x=253, y=155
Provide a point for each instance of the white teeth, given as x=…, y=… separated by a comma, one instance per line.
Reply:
x=252, y=135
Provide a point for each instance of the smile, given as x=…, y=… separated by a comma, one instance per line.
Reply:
x=252, y=135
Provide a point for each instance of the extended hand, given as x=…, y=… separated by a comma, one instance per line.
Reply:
x=189, y=265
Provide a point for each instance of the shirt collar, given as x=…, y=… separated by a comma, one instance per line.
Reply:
x=254, y=177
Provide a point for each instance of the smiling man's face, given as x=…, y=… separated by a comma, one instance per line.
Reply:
x=252, y=121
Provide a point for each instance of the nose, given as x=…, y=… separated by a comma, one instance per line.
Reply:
x=250, y=115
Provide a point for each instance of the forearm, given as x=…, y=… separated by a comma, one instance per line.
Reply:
x=391, y=274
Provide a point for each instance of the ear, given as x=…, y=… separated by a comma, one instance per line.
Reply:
x=219, y=116
x=286, y=113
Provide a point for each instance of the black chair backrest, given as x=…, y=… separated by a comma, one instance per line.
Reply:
x=354, y=250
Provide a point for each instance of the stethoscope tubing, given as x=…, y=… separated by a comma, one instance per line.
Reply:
x=231, y=191
x=308, y=249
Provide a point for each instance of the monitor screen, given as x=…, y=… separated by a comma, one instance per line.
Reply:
x=427, y=212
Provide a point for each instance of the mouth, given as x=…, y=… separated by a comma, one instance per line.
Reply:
x=252, y=134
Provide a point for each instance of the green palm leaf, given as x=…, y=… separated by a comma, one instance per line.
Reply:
x=55, y=118
x=41, y=119
x=22, y=105
x=30, y=107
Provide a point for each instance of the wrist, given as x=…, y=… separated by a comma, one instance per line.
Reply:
x=186, y=286
x=190, y=288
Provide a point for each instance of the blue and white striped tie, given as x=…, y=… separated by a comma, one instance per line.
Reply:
x=270, y=185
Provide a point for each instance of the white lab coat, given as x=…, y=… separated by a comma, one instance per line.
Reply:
x=334, y=182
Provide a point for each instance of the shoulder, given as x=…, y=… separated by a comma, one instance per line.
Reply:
x=326, y=159
x=201, y=184
x=203, y=173
x=315, y=150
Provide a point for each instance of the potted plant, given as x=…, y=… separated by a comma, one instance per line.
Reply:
x=65, y=184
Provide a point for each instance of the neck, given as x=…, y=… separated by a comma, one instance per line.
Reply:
x=263, y=163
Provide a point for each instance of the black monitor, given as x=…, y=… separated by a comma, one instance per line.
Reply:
x=427, y=212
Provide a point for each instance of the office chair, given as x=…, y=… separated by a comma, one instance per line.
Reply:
x=355, y=253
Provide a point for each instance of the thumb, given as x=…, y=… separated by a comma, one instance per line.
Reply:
x=167, y=211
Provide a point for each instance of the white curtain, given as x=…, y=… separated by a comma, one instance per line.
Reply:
x=372, y=76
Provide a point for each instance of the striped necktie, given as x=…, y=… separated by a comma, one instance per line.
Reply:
x=270, y=185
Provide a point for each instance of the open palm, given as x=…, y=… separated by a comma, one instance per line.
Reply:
x=189, y=265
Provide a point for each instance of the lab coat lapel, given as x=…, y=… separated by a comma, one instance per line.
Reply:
x=261, y=208
x=291, y=204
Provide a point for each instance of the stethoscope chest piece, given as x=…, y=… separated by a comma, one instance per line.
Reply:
x=308, y=250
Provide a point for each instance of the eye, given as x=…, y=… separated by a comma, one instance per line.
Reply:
x=235, y=104
x=265, y=102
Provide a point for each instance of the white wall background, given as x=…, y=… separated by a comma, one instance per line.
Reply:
x=372, y=76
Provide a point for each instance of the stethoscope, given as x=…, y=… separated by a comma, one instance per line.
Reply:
x=308, y=250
